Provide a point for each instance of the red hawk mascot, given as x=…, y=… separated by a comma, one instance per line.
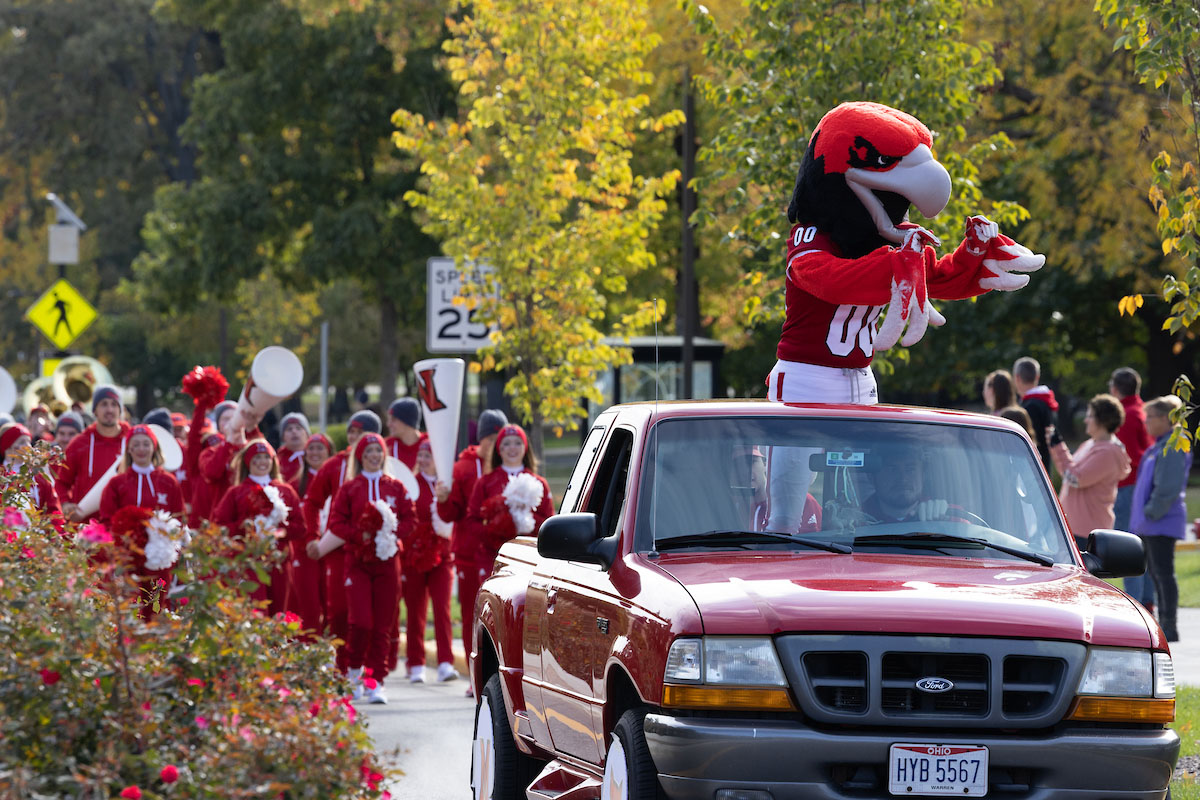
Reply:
x=852, y=252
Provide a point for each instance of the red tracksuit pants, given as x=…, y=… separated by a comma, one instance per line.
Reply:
x=373, y=601
x=419, y=589
x=335, y=602
x=306, y=588
x=470, y=577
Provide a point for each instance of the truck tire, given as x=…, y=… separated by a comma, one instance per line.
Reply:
x=629, y=772
x=499, y=771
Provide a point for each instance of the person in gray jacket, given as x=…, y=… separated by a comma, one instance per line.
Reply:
x=1158, y=513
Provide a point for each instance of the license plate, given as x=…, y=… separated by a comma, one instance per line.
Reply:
x=938, y=769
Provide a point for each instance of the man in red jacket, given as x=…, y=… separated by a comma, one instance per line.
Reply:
x=294, y=432
x=92, y=452
x=404, y=423
x=323, y=487
x=1126, y=385
x=473, y=463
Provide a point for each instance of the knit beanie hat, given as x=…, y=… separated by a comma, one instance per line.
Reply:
x=407, y=410
x=254, y=448
x=220, y=408
x=71, y=420
x=513, y=430
x=294, y=418
x=12, y=432
x=490, y=421
x=144, y=430
x=160, y=417
x=366, y=421
x=323, y=439
x=102, y=391
x=361, y=446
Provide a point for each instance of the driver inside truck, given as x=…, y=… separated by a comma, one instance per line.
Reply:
x=900, y=494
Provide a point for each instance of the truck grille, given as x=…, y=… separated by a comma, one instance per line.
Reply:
x=873, y=679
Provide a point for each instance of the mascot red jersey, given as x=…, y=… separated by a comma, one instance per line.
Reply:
x=851, y=252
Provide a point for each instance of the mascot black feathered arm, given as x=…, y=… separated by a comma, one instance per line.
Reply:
x=851, y=250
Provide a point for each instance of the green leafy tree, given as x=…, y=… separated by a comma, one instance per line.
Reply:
x=781, y=66
x=536, y=181
x=298, y=173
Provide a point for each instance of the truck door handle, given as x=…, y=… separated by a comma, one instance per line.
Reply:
x=551, y=597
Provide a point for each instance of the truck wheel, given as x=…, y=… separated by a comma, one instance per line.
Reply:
x=499, y=771
x=629, y=772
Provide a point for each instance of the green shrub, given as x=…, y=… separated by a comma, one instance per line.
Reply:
x=207, y=698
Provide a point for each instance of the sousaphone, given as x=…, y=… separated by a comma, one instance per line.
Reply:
x=76, y=378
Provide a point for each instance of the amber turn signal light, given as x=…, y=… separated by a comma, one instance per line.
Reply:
x=726, y=697
x=1123, y=709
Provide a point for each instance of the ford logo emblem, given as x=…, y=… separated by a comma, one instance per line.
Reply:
x=934, y=685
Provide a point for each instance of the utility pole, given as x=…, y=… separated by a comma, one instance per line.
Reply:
x=687, y=312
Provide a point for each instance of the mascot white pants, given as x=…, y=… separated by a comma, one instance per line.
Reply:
x=788, y=467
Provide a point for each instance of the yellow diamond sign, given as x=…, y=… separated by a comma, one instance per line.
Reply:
x=61, y=314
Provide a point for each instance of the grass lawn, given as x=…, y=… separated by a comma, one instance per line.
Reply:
x=1187, y=725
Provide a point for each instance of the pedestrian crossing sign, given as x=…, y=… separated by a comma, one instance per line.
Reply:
x=62, y=314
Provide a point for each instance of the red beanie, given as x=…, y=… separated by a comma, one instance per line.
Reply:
x=424, y=445
x=144, y=430
x=323, y=439
x=361, y=446
x=512, y=430
x=254, y=448
x=11, y=433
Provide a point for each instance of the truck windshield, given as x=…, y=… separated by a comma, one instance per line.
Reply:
x=867, y=484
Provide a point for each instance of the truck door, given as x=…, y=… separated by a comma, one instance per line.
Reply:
x=582, y=617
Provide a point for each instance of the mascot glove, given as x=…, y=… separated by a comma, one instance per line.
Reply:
x=932, y=509
x=909, y=303
x=1002, y=257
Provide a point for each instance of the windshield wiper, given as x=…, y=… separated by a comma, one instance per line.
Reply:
x=745, y=538
x=935, y=539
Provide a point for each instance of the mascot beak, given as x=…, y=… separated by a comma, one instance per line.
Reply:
x=918, y=177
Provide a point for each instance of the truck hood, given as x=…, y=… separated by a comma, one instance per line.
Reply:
x=771, y=593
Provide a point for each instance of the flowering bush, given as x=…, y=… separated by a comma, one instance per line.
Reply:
x=207, y=699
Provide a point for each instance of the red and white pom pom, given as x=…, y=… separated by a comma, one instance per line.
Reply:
x=206, y=385
x=385, y=537
x=267, y=524
x=523, y=494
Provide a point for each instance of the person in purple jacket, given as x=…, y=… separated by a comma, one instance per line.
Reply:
x=1158, y=513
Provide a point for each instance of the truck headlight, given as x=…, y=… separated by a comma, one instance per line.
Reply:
x=1124, y=685
x=723, y=672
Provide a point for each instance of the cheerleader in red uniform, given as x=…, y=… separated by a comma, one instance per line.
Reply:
x=294, y=431
x=140, y=480
x=370, y=515
x=14, y=439
x=305, y=576
x=259, y=501
x=512, y=499
x=428, y=576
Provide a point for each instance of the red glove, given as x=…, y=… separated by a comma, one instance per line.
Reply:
x=909, y=304
x=1001, y=256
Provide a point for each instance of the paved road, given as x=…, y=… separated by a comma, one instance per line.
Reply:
x=431, y=725
x=1186, y=652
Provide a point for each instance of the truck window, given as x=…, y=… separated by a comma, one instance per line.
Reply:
x=607, y=495
x=586, y=456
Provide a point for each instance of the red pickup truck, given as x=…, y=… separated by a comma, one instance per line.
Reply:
x=751, y=601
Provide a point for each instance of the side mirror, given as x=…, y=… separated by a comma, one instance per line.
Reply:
x=573, y=537
x=1114, y=554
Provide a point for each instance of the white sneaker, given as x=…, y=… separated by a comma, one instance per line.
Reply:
x=416, y=675
x=446, y=672
x=355, y=678
x=377, y=695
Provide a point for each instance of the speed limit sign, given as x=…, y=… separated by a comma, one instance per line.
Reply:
x=451, y=328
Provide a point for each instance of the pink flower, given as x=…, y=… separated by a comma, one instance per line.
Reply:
x=314, y=709
x=169, y=774
x=96, y=533
x=370, y=683
x=13, y=518
x=26, y=552
x=267, y=682
x=201, y=723
x=195, y=682
x=246, y=734
x=131, y=793
x=183, y=601
x=50, y=677
x=10, y=537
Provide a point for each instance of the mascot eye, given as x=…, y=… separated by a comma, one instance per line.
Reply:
x=864, y=155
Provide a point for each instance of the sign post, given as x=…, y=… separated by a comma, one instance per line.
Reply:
x=451, y=328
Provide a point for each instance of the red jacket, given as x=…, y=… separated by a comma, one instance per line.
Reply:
x=492, y=535
x=217, y=475
x=424, y=549
x=1134, y=436
x=350, y=502
x=405, y=453
x=296, y=482
x=291, y=462
x=159, y=489
x=321, y=487
x=467, y=534
x=236, y=508
x=87, y=458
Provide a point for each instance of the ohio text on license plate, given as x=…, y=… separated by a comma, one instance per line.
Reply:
x=938, y=769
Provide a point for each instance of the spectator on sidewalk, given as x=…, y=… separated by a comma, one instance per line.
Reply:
x=1159, y=514
x=1090, y=475
x=1036, y=398
x=998, y=392
x=1126, y=385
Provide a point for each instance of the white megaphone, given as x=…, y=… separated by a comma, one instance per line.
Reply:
x=439, y=387
x=400, y=471
x=275, y=375
x=8, y=392
x=172, y=453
